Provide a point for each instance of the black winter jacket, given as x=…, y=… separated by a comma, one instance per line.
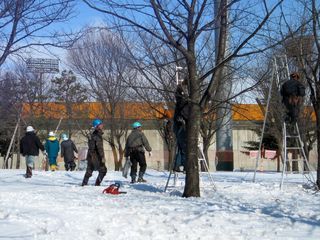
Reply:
x=67, y=150
x=292, y=88
x=30, y=144
x=95, y=151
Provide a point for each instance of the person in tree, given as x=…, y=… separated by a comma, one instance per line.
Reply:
x=29, y=148
x=52, y=149
x=292, y=92
x=95, y=156
x=136, y=145
x=68, y=148
x=179, y=125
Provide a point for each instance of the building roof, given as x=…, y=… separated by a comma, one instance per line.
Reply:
x=128, y=110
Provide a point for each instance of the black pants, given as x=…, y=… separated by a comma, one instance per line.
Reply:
x=292, y=112
x=138, y=157
x=70, y=166
x=90, y=168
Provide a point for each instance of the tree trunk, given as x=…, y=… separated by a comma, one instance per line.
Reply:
x=318, y=145
x=121, y=154
x=18, y=148
x=192, y=188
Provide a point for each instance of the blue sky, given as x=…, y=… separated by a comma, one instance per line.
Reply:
x=83, y=15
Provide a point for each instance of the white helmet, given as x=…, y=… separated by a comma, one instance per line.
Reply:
x=30, y=129
x=51, y=134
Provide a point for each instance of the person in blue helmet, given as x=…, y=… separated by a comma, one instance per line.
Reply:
x=95, y=156
x=136, y=145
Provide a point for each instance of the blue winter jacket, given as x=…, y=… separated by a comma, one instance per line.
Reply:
x=52, y=147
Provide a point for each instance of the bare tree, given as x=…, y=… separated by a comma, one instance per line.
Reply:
x=101, y=60
x=8, y=112
x=183, y=25
x=71, y=93
x=23, y=24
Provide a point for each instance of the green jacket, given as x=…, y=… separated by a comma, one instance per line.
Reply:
x=136, y=141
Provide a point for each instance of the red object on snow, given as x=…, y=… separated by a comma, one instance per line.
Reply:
x=112, y=189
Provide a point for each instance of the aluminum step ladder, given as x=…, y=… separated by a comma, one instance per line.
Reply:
x=292, y=141
x=201, y=161
x=280, y=74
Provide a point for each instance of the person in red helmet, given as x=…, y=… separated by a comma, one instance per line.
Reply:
x=95, y=157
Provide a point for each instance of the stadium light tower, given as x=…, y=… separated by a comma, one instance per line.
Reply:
x=41, y=66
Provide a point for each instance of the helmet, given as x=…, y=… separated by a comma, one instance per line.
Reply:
x=136, y=125
x=295, y=75
x=64, y=136
x=51, y=134
x=96, y=122
x=30, y=129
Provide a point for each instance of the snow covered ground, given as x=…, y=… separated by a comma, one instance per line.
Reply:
x=52, y=205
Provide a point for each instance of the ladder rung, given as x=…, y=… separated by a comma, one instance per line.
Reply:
x=292, y=136
x=294, y=148
x=296, y=160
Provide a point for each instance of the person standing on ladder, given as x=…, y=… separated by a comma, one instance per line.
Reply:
x=29, y=148
x=95, y=157
x=136, y=145
x=179, y=125
x=292, y=92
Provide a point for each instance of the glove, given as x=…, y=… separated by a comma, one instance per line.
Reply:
x=150, y=154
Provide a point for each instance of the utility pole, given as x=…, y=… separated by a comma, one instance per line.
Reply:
x=224, y=144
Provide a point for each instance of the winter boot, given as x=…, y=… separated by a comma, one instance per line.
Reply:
x=85, y=181
x=140, y=179
x=133, y=180
x=53, y=167
x=29, y=172
x=98, y=182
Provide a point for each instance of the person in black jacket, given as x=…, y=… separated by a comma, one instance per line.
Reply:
x=180, y=119
x=29, y=148
x=292, y=92
x=95, y=156
x=68, y=148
